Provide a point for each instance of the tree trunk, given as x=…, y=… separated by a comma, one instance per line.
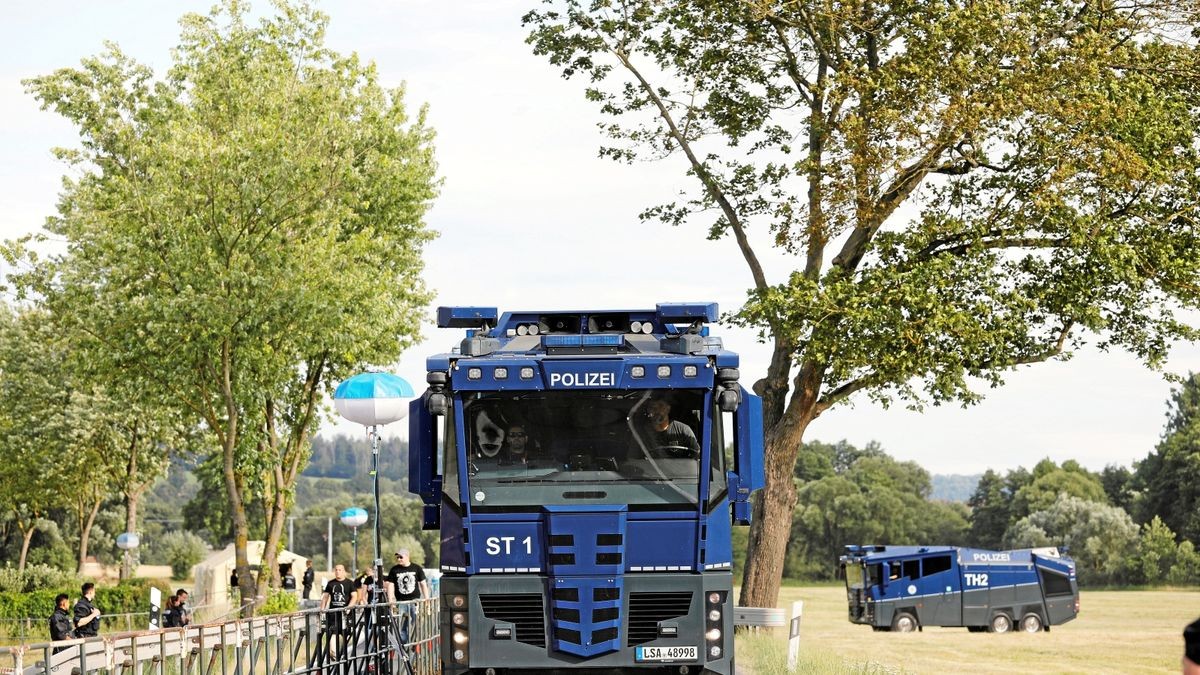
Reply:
x=133, y=493
x=132, y=497
x=771, y=525
x=85, y=532
x=26, y=538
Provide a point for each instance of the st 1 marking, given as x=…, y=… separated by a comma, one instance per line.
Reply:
x=498, y=545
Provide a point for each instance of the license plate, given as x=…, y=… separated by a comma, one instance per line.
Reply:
x=666, y=653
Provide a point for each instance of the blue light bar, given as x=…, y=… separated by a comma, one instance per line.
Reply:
x=466, y=317
x=599, y=340
x=686, y=312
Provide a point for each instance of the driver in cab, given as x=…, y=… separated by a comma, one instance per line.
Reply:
x=672, y=436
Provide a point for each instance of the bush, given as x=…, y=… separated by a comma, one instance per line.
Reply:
x=34, y=578
x=128, y=597
x=279, y=602
x=182, y=550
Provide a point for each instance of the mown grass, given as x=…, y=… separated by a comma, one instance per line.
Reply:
x=1117, y=632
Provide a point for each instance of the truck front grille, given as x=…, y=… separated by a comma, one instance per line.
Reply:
x=523, y=610
x=647, y=609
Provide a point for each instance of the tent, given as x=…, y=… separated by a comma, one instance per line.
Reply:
x=212, y=575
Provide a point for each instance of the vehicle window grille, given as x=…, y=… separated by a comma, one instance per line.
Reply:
x=523, y=610
x=604, y=635
x=647, y=609
x=608, y=558
x=608, y=539
x=566, y=594
x=565, y=614
x=562, y=540
x=562, y=558
x=602, y=594
x=605, y=614
x=568, y=635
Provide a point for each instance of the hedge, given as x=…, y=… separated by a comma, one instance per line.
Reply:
x=128, y=597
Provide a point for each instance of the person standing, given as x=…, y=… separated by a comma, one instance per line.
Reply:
x=87, y=616
x=61, y=627
x=307, y=579
x=364, y=584
x=183, y=615
x=406, y=584
x=287, y=580
x=169, y=616
x=339, y=596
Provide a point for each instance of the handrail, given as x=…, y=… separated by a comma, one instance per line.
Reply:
x=300, y=642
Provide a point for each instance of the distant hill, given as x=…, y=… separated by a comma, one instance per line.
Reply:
x=954, y=487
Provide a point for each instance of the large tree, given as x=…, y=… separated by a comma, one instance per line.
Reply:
x=963, y=187
x=243, y=232
x=1167, y=481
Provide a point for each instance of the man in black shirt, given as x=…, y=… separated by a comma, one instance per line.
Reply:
x=60, y=621
x=672, y=436
x=339, y=595
x=406, y=583
x=308, y=579
x=87, y=617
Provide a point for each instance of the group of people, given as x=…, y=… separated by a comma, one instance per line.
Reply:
x=404, y=582
x=81, y=622
x=176, y=613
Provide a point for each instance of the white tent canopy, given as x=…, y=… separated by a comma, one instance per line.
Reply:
x=212, y=575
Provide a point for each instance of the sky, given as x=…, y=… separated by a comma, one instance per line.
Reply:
x=530, y=218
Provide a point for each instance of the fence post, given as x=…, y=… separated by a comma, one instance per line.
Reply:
x=794, y=634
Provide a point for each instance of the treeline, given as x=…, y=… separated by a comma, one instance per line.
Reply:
x=1122, y=525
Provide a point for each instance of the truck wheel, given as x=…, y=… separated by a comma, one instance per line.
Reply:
x=1031, y=623
x=1000, y=623
x=904, y=622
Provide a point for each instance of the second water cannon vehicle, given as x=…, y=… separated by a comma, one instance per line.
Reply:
x=585, y=469
x=904, y=588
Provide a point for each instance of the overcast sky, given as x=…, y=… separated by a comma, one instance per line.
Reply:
x=531, y=218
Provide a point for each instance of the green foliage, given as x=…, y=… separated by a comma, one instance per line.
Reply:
x=126, y=597
x=1101, y=538
x=246, y=228
x=182, y=550
x=280, y=602
x=866, y=498
x=963, y=187
x=35, y=578
x=1050, y=482
x=1167, y=481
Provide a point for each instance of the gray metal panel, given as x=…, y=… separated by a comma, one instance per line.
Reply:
x=515, y=656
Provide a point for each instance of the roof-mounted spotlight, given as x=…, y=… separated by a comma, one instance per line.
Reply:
x=466, y=317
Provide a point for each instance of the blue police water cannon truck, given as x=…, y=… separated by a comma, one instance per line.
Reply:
x=904, y=588
x=585, y=469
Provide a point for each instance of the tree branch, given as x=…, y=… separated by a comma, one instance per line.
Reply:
x=710, y=183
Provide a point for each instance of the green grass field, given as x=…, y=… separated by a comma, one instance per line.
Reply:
x=1116, y=632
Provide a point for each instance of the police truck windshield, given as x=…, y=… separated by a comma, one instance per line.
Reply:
x=634, y=447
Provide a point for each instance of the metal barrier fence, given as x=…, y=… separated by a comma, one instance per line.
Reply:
x=313, y=642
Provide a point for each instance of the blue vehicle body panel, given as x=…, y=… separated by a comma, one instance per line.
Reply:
x=953, y=586
x=614, y=581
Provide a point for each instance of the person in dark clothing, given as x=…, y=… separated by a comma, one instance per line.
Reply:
x=183, y=615
x=338, y=595
x=1191, y=648
x=287, y=580
x=168, y=613
x=87, y=617
x=61, y=627
x=660, y=431
x=364, y=585
x=406, y=583
x=307, y=580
